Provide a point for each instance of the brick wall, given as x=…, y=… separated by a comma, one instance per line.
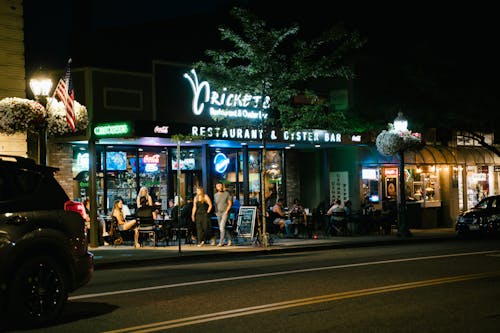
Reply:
x=60, y=155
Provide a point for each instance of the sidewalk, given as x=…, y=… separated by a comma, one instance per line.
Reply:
x=111, y=257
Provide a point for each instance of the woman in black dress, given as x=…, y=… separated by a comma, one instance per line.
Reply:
x=202, y=206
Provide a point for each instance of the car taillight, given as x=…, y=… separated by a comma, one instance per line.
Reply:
x=75, y=206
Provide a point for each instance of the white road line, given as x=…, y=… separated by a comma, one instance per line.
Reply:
x=253, y=276
x=209, y=317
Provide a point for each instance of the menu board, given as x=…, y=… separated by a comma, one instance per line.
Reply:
x=246, y=221
x=339, y=186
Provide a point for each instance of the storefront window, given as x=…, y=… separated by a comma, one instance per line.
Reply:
x=153, y=175
x=254, y=177
x=391, y=183
x=370, y=185
x=274, y=173
x=120, y=178
x=273, y=176
x=190, y=166
x=80, y=170
x=423, y=182
x=227, y=168
x=477, y=184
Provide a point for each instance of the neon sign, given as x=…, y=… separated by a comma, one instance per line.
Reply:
x=243, y=133
x=161, y=129
x=151, y=159
x=226, y=104
x=151, y=167
x=116, y=129
x=221, y=163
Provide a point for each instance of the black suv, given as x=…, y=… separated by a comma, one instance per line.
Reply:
x=43, y=247
x=482, y=219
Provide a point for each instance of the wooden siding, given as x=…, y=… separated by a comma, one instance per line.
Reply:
x=12, y=70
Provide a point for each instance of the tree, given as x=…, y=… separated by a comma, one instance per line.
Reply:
x=278, y=63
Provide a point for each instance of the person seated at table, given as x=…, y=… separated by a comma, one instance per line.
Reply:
x=117, y=216
x=143, y=192
x=101, y=225
x=280, y=217
x=337, y=217
x=175, y=215
x=298, y=216
x=146, y=211
x=187, y=222
x=146, y=216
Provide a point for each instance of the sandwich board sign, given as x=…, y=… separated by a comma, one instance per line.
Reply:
x=246, y=221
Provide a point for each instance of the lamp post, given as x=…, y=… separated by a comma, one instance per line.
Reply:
x=41, y=86
x=401, y=126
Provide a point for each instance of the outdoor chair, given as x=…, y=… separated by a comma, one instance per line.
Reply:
x=338, y=225
x=117, y=236
x=148, y=230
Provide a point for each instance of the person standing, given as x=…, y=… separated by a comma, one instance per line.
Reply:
x=202, y=205
x=223, y=203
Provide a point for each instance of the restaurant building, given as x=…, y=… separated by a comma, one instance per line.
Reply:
x=226, y=136
x=148, y=126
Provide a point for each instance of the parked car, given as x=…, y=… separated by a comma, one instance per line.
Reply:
x=483, y=218
x=43, y=246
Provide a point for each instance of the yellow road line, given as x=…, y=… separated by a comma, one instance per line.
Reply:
x=298, y=302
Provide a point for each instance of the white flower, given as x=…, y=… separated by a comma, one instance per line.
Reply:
x=57, y=123
x=20, y=115
x=391, y=141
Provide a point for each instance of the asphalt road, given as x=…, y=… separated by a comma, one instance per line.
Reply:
x=438, y=287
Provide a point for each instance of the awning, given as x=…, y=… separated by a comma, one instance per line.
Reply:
x=468, y=155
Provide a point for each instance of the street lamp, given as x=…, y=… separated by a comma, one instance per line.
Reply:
x=401, y=126
x=41, y=86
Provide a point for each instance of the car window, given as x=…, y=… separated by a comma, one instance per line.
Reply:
x=26, y=182
x=483, y=204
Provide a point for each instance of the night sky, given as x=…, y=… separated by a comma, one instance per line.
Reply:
x=433, y=46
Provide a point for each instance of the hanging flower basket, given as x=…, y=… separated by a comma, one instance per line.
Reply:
x=56, y=121
x=389, y=142
x=20, y=115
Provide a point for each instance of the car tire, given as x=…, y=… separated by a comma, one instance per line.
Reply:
x=461, y=234
x=38, y=292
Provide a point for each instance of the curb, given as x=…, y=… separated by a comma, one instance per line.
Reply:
x=189, y=256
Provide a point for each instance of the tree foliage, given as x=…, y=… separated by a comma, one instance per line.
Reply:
x=279, y=63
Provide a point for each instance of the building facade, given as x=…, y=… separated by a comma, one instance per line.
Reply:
x=171, y=132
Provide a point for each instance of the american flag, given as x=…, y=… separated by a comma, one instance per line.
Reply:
x=64, y=92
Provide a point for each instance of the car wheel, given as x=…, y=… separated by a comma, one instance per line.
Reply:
x=38, y=292
x=460, y=233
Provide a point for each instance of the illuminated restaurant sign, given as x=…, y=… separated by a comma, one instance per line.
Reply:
x=242, y=133
x=224, y=104
x=221, y=162
x=113, y=129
